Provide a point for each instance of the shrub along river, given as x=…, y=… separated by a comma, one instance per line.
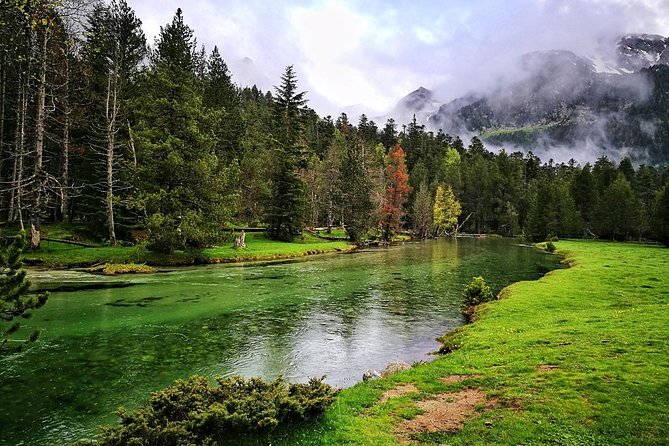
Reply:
x=108, y=342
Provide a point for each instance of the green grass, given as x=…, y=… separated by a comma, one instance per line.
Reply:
x=604, y=323
x=259, y=247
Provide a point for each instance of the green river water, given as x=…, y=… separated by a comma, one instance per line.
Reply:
x=108, y=342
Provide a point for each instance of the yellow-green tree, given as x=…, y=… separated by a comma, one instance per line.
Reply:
x=447, y=209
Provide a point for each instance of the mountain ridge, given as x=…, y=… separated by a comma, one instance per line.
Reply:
x=566, y=100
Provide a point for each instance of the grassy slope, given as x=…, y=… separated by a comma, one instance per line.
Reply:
x=258, y=248
x=604, y=323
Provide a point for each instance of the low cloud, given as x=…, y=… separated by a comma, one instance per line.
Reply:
x=374, y=52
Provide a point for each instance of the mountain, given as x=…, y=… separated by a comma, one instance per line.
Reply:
x=421, y=102
x=617, y=105
x=638, y=51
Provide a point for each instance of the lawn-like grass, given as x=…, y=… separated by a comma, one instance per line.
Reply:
x=604, y=326
x=259, y=247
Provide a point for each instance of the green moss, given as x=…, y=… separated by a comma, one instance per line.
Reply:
x=110, y=269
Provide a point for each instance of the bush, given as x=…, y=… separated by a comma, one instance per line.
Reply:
x=193, y=411
x=477, y=292
x=550, y=247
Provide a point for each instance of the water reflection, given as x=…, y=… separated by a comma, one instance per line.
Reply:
x=337, y=315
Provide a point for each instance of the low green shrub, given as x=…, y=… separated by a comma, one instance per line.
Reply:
x=193, y=411
x=477, y=292
x=550, y=247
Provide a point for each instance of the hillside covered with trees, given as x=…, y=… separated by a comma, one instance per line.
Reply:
x=100, y=129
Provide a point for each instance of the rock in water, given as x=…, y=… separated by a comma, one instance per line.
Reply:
x=395, y=367
x=370, y=375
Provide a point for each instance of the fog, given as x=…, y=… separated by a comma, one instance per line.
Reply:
x=374, y=52
x=364, y=56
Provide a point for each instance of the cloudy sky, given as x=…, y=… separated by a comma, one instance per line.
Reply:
x=370, y=53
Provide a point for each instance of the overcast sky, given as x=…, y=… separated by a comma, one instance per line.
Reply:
x=373, y=52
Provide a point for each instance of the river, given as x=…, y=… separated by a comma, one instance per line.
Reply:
x=108, y=342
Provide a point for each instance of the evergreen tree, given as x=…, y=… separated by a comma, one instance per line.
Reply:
x=288, y=102
x=175, y=49
x=552, y=211
x=286, y=214
x=388, y=135
x=661, y=215
x=15, y=301
x=584, y=193
x=222, y=95
x=185, y=189
x=618, y=210
x=286, y=209
x=357, y=203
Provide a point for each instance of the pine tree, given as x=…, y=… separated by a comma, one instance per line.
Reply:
x=661, y=215
x=356, y=197
x=584, y=193
x=286, y=213
x=222, y=95
x=618, y=210
x=15, y=301
x=286, y=209
x=552, y=211
x=288, y=102
x=185, y=189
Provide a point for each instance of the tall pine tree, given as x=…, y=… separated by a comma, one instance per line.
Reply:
x=185, y=189
x=286, y=209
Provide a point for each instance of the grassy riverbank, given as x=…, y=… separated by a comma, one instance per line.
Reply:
x=578, y=357
x=259, y=247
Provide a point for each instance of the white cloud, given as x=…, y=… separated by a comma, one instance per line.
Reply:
x=372, y=52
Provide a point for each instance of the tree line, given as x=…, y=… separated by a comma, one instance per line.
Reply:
x=101, y=129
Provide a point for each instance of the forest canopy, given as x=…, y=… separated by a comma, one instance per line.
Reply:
x=101, y=129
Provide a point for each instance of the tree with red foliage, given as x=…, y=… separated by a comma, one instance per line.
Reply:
x=397, y=192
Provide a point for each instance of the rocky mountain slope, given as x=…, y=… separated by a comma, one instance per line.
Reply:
x=568, y=101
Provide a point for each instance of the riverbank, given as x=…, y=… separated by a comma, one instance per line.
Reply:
x=258, y=247
x=578, y=357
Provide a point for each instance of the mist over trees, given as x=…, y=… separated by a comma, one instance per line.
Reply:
x=99, y=129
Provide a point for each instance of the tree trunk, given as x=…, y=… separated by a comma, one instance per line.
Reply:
x=111, y=112
x=65, y=177
x=16, y=205
x=132, y=146
x=36, y=210
x=3, y=85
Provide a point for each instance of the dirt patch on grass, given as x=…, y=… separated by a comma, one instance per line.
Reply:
x=457, y=378
x=547, y=368
x=397, y=392
x=445, y=412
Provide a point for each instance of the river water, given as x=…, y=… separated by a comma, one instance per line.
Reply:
x=108, y=342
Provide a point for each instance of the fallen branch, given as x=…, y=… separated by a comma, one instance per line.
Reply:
x=69, y=242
